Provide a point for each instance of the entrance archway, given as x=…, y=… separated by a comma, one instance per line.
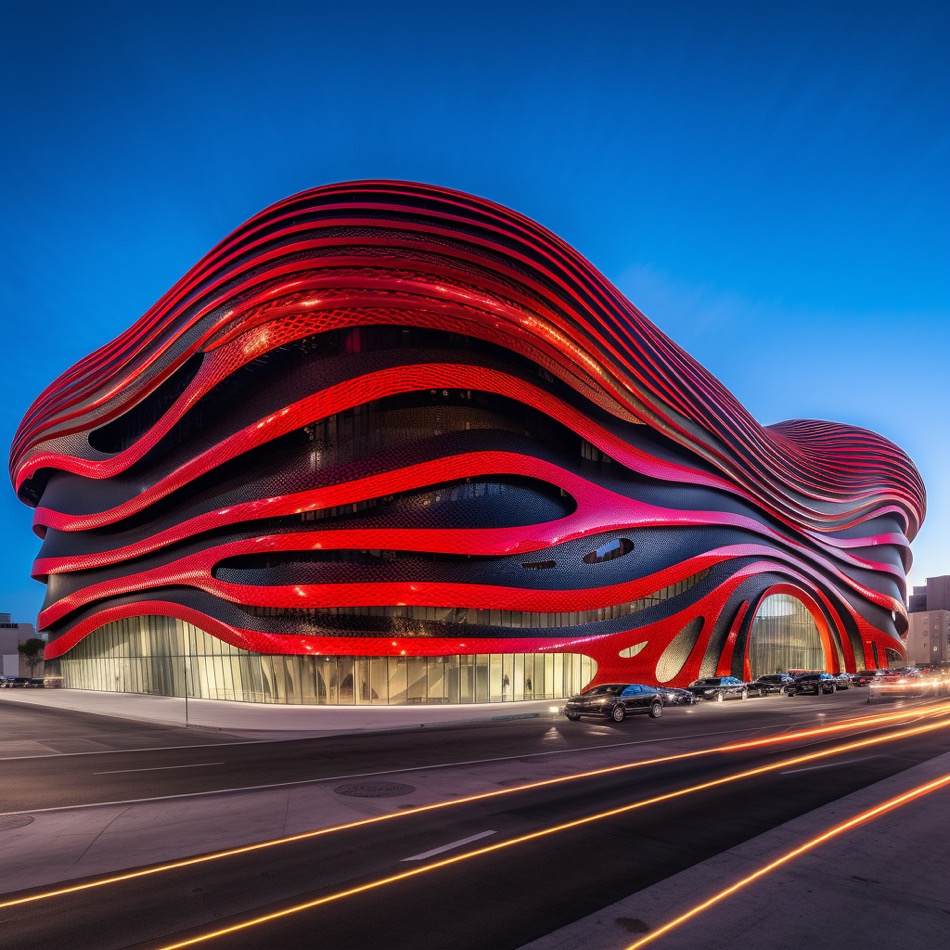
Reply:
x=785, y=636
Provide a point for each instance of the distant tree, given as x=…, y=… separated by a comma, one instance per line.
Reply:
x=32, y=652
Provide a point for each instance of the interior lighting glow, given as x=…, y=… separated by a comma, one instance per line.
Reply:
x=875, y=720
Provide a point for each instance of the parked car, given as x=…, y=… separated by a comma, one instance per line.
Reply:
x=718, y=688
x=771, y=683
x=863, y=677
x=37, y=682
x=676, y=696
x=615, y=701
x=13, y=681
x=844, y=681
x=816, y=683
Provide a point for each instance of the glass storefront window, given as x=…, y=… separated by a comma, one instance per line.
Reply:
x=784, y=637
x=158, y=655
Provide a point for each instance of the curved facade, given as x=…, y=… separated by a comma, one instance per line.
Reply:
x=387, y=431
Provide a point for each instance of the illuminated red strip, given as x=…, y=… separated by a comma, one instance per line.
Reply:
x=415, y=256
x=638, y=345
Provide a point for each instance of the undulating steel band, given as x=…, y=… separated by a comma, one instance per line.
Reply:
x=383, y=418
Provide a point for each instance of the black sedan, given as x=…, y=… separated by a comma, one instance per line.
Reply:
x=615, y=701
x=718, y=688
x=771, y=683
x=676, y=696
x=816, y=683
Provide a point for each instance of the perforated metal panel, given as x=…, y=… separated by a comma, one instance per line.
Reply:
x=390, y=419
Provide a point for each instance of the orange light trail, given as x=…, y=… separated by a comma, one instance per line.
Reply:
x=817, y=732
x=546, y=832
x=860, y=819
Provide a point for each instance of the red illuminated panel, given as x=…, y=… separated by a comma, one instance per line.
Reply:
x=452, y=408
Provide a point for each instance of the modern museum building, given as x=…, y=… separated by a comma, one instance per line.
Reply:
x=389, y=443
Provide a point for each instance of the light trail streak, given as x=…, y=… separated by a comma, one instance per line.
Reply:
x=839, y=829
x=547, y=832
x=816, y=733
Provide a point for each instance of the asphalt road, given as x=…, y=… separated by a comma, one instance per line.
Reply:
x=189, y=766
x=496, y=900
x=57, y=731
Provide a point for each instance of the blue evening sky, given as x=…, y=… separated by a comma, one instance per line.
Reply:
x=767, y=182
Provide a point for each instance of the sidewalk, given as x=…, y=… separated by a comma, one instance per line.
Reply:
x=45, y=846
x=260, y=720
x=882, y=884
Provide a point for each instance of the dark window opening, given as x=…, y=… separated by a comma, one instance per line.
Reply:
x=609, y=551
x=121, y=433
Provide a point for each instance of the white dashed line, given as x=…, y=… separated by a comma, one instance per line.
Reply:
x=448, y=847
x=160, y=768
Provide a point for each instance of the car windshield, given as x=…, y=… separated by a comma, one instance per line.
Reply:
x=771, y=678
x=610, y=689
x=709, y=681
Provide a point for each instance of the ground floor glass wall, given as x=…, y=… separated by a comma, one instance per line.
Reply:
x=784, y=637
x=160, y=655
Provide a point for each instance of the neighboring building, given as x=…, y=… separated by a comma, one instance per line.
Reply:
x=928, y=634
x=12, y=634
x=389, y=443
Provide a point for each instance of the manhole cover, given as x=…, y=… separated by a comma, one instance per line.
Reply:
x=9, y=822
x=374, y=789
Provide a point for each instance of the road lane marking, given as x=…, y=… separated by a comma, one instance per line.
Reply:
x=309, y=835
x=160, y=768
x=830, y=765
x=333, y=735
x=449, y=847
x=287, y=911
x=377, y=774
x=324, y=734
x=777, y=737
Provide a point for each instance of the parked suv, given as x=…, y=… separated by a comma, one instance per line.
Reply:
x=816, y=683
x=771, y=683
